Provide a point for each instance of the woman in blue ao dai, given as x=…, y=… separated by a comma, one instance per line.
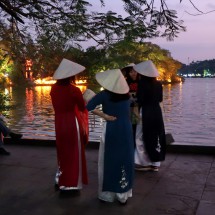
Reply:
x=116, y=152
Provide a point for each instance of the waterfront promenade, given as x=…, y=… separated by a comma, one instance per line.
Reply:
x=185, y=184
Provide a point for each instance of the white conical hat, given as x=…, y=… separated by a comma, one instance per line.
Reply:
x=129, y=65
x=146, y=68
x=88, y=94
x=67, y=69
x=113, y=80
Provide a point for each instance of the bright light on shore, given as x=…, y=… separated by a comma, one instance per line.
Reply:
x=44, y=81
x=50, y=81
x=80, y=81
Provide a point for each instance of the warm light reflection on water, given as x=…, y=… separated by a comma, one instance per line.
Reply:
x=29, y=104
x=33, y=115
x=189, y=112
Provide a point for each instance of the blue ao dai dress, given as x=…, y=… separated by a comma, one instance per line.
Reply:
x=116, y=153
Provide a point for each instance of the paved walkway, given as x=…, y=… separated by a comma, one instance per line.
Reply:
x=185, y=185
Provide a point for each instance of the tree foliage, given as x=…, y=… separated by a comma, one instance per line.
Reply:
x=48, y=30
x=125, y=52
x=4, y=100
x=76, y=21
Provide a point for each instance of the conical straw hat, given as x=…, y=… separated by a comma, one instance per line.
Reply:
x=146, y=68
x=113, y=80
x=67, y=69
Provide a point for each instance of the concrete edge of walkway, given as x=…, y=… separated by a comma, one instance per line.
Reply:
x=173, y=148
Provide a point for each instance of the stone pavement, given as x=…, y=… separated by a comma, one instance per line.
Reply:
x=184, y=185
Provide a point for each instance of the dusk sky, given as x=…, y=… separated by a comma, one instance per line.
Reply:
x=198, y=42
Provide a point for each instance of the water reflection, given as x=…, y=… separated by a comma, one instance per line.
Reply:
x=34, y=114
x=190, y=115
x=29, y=104
x=189, y=112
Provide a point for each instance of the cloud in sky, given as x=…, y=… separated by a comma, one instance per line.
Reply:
x=198, y=42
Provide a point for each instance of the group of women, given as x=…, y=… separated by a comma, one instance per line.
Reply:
x=123, y=98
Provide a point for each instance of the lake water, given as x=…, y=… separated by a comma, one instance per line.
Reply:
x=188, y=112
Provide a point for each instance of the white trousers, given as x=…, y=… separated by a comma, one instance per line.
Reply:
x=140, y=155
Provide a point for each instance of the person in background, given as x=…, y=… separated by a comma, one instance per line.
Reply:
x=116, y=150
x=132, y=79
x=70, y=127
x=152, y=151
x=4, y=132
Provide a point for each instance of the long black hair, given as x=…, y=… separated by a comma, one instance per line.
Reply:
x=149, y=90
x=66, y=81
x=148, y=80
x=116, y=97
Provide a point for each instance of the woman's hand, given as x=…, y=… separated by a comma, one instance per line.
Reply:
x=103, y=115
x=109, y=118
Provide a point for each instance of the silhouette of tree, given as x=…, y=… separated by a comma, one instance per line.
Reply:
x=75, y=19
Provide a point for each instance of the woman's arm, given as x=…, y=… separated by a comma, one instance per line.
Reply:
x=94, y=102
x=103, y=115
